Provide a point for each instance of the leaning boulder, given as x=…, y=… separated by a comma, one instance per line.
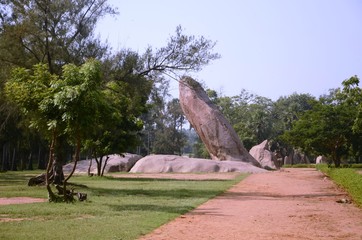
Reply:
x=263, y=155
x=215, y=131
x=172, y=163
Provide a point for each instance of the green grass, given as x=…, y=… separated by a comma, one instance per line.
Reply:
x=348, y=178
x=122, y=208
x=299, y=165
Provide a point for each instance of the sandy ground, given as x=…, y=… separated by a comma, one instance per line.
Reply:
x=290, y=204
x=20, y=200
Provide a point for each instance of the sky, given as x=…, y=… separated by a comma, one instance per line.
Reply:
x=271, y=48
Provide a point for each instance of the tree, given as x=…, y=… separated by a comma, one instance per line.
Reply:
x=250, y=116
x=285, y=111
x=66, y=106
x=44, y=31
x=60, y=32
x=288, y=109
x=352, y=94
x=326, y=130
x=126, y=95
x=52, y=32
x=170, y=138
x=182, y=53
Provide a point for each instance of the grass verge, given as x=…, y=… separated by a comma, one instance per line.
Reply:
x=348, y=178
x=300, y=165
x=117, y=208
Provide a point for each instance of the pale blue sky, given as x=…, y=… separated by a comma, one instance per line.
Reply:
x=271, y=48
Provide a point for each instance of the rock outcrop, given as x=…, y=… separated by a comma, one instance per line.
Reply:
x=172, y=163
x=263, y=155
x=116, y=163
x=295, y=157
x=321, y=159
x=215, y=131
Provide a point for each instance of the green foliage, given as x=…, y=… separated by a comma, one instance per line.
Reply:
x=250, y=116
x=66, y=104
x=33, y=33
x=347, y=178
x=120, y=208
x=170, y=137
x=325, y=130
x=288, y=109
x=200, y=151
x=182, y=53
x=31, y=91
x=352, y=94
x=52, y=32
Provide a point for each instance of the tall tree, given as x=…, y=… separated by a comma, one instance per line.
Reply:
x=170, y=138
x=52, y=32
x=250, y=115
x=352, y=94
x=43, y=31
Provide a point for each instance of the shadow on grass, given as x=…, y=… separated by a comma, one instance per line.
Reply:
x=13, y=179
x=135, y=179
x=71, y=184
x=150, y=207
x=175, y=193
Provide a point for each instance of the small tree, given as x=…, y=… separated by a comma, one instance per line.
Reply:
x=66, y=106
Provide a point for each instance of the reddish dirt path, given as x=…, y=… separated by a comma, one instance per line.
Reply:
x=20, y=200
x=290, y=204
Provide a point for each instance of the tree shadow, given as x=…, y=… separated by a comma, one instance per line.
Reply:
x=150, y=207
x=273, y=196
x=169, y=193
x=141, y=179
x=13, y=179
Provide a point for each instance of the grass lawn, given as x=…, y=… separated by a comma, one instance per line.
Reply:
x=117, y=208
x=349, y=179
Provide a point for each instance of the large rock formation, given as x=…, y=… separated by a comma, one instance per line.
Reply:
x=172, y=163
x=215, y=131
x=263, y=155
x=116, y=163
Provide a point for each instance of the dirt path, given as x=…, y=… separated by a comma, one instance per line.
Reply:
x=20, y=200
x=290, y=204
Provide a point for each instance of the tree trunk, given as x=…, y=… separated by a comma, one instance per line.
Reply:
x=89, y=167
x=76, y=159
x=51, y=195
x=13, y=161
x=67, y=197
x=104, y=166
x=99, y=165
x=40, y=159
x=3, y=165
x=335, y=158
x=30, y=162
